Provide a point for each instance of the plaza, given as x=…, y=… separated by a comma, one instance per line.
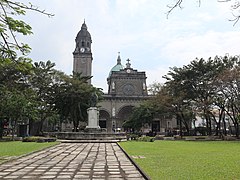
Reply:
x=73, y=161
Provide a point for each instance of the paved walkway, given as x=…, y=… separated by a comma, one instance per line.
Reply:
x=73, y=161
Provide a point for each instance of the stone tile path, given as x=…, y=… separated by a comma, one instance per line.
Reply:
x=73, y=161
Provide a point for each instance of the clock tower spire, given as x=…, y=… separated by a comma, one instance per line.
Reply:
x=82, y=55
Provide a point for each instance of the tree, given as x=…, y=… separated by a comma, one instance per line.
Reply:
x=192, y=84
x=177, y=103
x=16, y=106
x=200, y=86
x=157, y=106
x=10, y=25
x=42, y=80
x=15, y=68
x=14, y=89
x=154, y=88
x=229, y=88
x=141, y=115
x=72, y=98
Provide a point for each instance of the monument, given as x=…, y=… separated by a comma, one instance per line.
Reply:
x=82, y=63
x=92, y=132
x=93, y=119
x=93, y=115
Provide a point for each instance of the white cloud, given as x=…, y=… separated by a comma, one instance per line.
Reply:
x=205, y=16
x=156, y=74
x=138, y=29
x=183, y=50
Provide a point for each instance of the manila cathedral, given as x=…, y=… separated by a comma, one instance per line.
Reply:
x=126, y=88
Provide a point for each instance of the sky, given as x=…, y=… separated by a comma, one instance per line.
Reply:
x=139, y=29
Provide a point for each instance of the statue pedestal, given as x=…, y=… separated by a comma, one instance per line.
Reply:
x=93, y=119
x=92, y=133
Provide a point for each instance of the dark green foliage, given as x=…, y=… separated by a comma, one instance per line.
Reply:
x=1, y=128
x=146, y=139
x=199, y=88
x=72, y=98
x=42, y=80
x=141, y=115
x=11, y=24
x=35, y=92
x=132, y=136
x=38, y=139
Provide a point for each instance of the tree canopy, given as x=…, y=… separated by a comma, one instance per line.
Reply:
x=208, y=89
x=11, y=24
x=35, y=92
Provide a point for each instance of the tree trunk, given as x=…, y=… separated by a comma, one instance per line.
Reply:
x=236, y=125
x=194, y=126
x=185, y=123
x=13, y=128
x=75, y=126
x=208, y=124
x=210, y=127
x=217, y=129
x=1, y=128
x=180, y=124
x=224, y=126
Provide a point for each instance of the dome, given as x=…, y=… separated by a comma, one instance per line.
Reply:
x=117, y=67
x=83, y=33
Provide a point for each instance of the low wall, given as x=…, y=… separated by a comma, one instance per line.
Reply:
x=87, y=135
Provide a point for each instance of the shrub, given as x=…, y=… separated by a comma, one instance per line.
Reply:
x=159, y=137
x=146, y=139
x=132, y=136
x=38, y=139
x=31, y=139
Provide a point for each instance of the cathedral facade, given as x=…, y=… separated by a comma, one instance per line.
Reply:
x=126, y=89
x=126, y=86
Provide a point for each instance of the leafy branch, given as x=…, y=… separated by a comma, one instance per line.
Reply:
x=10, y=26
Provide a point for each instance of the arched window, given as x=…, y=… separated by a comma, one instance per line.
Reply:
x=83, y=44
x=88, y=44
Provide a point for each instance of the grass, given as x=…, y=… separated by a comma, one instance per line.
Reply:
x=11, y=149
x=187, y=159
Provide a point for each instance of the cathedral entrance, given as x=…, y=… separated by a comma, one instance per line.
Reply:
x=104, y=120
x=123, y=115
x=155, y=126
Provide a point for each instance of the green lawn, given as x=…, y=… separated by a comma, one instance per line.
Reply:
x=187, y=159
x=16, y=148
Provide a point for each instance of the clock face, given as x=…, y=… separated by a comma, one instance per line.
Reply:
x=128, y=89
x=82, y=49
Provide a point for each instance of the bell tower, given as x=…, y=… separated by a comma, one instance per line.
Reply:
x=82, y=55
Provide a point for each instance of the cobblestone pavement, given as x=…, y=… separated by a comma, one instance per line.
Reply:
x=73, y=161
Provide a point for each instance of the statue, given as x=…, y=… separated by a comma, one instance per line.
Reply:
x=93, y=113
x=93, y=100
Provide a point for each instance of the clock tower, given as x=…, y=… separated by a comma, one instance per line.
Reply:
x=126, y=89
x=82, y=55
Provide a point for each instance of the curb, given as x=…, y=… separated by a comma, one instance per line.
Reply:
x=145, y=176
x=88, y=141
